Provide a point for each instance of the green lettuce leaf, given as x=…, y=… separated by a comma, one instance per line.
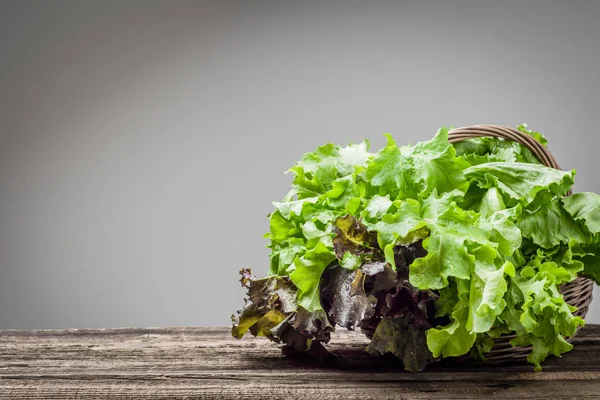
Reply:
x=539, y=316
x=584, y=207
x=550, y=225
x=434, y=166
x=390, y=170
x=483, y=150
x=536, y=135
x=377, y=207
x=521, y=182
x=486, y=296
x=307, y=275
x=453, y=339
x=315, y=174
x=497, y=220
x=410, y=171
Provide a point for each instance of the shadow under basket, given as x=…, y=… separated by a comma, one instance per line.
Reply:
x=577, y=293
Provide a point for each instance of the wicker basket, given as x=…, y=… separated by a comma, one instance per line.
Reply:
x=577, y=293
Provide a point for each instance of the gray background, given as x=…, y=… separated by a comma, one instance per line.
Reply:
x=141, y=143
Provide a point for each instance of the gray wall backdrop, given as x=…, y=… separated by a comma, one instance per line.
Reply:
x=141, y=143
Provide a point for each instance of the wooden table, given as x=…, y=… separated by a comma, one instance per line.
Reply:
x=202, y=363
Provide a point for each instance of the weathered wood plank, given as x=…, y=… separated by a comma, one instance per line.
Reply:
x=203, y=363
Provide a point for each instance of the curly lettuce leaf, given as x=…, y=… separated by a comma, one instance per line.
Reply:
x=536, y=135
x=473, y=305
x=453, y=339
x=434, y=166
x=584, y=207
x=483, y=150
x=550, y=225
x=352, y=242
x=411, y=171
x=591, y=262
x=270, y=301
x=390, y=170
x=407, y=312
x=307, y=275
x=377, y=207
x=521, y=183
x=539, y=316
x=399, y=226
x=400, y=337
x=316, y=173
x=344, y=297
x=498, y=221
x=486, y=296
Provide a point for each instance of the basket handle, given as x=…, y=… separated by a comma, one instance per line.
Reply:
x=508, y=133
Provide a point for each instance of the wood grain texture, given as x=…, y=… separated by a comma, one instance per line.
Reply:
x=207, y=363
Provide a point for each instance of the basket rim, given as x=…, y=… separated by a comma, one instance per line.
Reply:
x=541, y=152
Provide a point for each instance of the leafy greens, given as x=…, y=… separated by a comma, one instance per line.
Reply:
x=439, y=248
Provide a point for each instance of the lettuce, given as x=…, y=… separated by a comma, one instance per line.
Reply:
x=437, y=248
